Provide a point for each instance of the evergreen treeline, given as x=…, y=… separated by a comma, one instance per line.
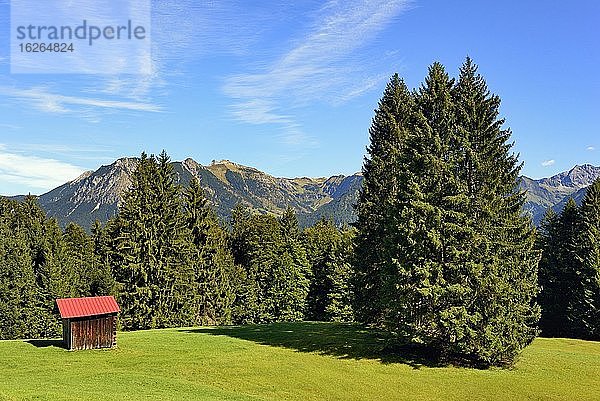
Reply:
x=570, y=269
x=170, y=262
x=39, y=263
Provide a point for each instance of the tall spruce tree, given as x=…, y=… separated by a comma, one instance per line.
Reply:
x=339, y=298
x=151, y=259
x=214, y=270
x=36, y=268
x=293, y=272
x=103, y=282
x=19, y=309
x=444, y=252
x=570, y=269
x=560, y=272
x=588, y=306
x=502, y=261
x=383, y=179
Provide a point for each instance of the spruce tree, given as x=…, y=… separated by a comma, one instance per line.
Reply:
x=384, y=178
x=274, y=266
x=550, y=278
x=561, y=272
x=246, y=306
x=329, y=251
x=570, y=269
x=501, y=259
x=102, y=280
x=19, y=310
x=292, y=278
x=151, y=257
x=211, y=258
x=587, y=308
x=444, y=253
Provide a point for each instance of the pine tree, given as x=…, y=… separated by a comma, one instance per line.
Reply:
x=502, y=260
x=274, y=267
x=443, y=250
x=151, y=257
x=383, y=179
x=329, y=251
x=588, y=306
x=290, y=287
x=212, y=259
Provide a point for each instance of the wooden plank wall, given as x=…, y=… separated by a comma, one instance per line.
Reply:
x=92, y=333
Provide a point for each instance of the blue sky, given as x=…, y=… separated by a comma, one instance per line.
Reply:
x=290, y=87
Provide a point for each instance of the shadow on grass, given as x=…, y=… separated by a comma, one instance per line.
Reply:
x=346, y=341
x=45, y=343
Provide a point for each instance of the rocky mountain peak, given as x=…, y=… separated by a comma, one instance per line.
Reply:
x=578, y=177
x=96, y=195
x=126, y=163
x=582, y=176
x=82, y=177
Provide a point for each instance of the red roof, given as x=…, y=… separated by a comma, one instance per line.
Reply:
x=91, y=306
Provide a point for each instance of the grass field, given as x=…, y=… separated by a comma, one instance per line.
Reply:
x=303, y=361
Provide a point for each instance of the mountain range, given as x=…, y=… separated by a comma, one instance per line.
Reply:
x=95, y=195
x=555, y=191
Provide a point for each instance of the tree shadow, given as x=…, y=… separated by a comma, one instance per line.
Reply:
x=341, y=340
x=45, y=343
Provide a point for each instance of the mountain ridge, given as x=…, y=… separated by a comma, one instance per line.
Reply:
x=96, y=195
x=553, y=192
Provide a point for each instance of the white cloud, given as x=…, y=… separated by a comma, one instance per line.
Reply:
x=10, y=127
x=36, y=173
x=590, y=148
x=548, y=163
x=259, y=111
x=45, y=101
x=322, y=66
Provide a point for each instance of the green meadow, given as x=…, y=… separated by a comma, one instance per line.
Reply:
x=291, y=361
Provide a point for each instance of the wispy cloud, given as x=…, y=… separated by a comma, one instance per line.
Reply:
x=35, y=172
x=590, y=148
x=184, y=32
x=548, y=163
x=73, y=153
x=48, y=102
x=320, y=64
x=10, y=126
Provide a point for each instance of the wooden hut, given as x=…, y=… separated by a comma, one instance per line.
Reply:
x=89, y=323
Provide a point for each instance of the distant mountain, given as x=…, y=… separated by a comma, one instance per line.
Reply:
x=554, y=192
x=96, y=195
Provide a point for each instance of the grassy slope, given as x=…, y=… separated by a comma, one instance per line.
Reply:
x=306, y=361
